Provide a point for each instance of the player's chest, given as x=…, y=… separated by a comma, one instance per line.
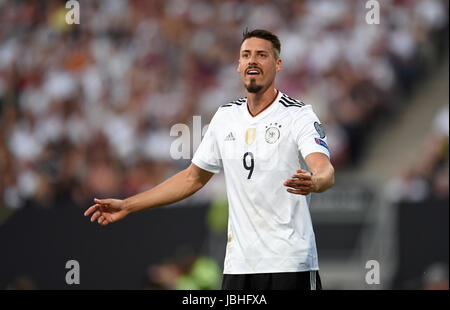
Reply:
x=262, y=138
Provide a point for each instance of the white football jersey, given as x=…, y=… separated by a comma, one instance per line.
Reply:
x=269, y=229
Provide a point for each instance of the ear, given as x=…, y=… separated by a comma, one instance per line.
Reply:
x=279, y=65
x=239, y=66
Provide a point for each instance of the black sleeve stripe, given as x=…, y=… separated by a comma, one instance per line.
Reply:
x=239, y=101
x=286, y=101
x=288, y=104
x=292, y=105
x=236, y=102
x=289, y=100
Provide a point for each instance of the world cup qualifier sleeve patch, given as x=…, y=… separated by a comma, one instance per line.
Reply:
x=322, y=143
x=319, y=129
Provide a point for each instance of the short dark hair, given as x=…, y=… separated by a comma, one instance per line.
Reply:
x=266, y=35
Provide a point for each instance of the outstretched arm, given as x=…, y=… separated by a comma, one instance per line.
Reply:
x=176, y=188
x=321, y=179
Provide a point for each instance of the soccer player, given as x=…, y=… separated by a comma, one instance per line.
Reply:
x=272, y=149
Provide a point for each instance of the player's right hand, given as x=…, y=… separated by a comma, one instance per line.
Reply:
x=107, y=211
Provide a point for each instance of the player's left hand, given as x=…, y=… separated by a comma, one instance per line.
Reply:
x=300, y=183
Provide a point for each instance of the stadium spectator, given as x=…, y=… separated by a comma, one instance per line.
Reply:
x=426, y=178
x=132, y=69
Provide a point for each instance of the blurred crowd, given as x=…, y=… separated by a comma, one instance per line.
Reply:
x=86, y=110
x=427, y=177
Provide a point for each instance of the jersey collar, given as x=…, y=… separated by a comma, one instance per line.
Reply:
x=263, y=113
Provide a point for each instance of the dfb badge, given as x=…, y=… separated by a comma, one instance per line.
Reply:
x=272, y=133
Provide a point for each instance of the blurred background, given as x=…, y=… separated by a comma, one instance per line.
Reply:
x=86, y=111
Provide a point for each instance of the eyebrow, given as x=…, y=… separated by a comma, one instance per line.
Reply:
x=258, y=51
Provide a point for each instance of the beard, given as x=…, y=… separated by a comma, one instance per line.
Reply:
x=252, y=87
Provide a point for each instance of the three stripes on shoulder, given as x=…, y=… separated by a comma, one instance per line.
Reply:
x=237, y=102
x=284, y=100
x=290, y=102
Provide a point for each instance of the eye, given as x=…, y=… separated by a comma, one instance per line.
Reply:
x=246, y=55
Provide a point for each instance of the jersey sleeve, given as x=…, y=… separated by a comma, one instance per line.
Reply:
x=309, y=133
x=207, y=156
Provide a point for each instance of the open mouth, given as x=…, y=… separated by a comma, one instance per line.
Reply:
x=253, y=72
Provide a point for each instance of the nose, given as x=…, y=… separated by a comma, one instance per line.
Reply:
x=252, y=64
x=252, y=60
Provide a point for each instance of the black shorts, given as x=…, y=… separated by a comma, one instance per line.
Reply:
x=305, y=280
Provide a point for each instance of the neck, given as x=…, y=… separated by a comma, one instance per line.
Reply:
x=257, y=102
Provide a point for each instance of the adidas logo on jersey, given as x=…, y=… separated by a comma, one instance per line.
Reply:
x=230, y=137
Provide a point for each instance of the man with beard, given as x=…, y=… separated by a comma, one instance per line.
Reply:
x=273, y=151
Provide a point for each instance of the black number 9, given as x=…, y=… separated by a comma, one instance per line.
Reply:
x=252, y=163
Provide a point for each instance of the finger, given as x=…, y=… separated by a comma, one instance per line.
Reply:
x=298, y=183
x=302, y=186
x=305, y=188
x=91, y=209
x=301, y=176
x=104, y=222
x=103, y=201
x=298, y=192
x=294, y=191
x=101, y=219
x=301, y=189
x=95, y=216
